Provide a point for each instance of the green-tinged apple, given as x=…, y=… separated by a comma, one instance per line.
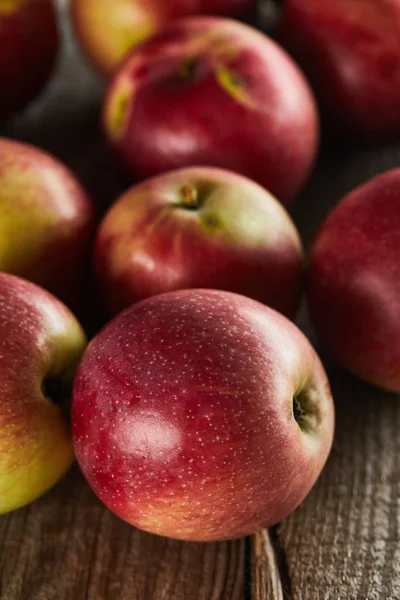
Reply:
x=354, y=281
x=199, y=227
x=41, y=343
x=201, y=415
x=109, y=29
x=212, y=91
x=28, y=51
x=350, y=50
x=46, y=221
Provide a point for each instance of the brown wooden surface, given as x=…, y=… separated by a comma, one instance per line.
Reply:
x=342, y=543
x=67, y=546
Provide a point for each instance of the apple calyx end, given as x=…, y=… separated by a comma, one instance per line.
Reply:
x=306, y=411
x=189, y=196
x=56, y=389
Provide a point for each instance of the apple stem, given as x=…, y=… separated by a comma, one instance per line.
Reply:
x=189, y=196
x=187, y=68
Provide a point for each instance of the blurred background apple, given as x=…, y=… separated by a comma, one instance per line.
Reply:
x=46, y=221
x=109, y=29
x=28, y=51
x=354, y=281
x=212, y=91
x=350, y=50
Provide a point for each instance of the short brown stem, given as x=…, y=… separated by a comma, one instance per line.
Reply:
x=189, y=196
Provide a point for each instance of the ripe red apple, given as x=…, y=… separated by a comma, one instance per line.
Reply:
x=201, y=415
x=28, y=50
x=350, y=49
x=211, y=91
x=40, y=345
x=354, y=281
x=46, y=220
x=199, y=228
x=109, y=29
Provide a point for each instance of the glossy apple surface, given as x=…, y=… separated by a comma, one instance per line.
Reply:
x=109, y=29
x=46, y=220
x=28, y=51
x=354, y=281
x=40, y=345
x=211, y=91
x=350, y=50
x=199, y=228
x=201, y=415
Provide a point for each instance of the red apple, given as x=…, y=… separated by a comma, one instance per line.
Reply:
x=40, y=345
x=350, y=49
x=210, y=91
x=46, y=220
x=201, y=415
x=109, y=29
x=199, y=227
x=29, y=48
x=354, y=281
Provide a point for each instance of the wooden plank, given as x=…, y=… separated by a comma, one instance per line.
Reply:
x=267, y=581
x=68, y=546
x=344, y=541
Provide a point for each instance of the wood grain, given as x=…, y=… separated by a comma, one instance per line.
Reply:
x=267, y=580
x=68, y=546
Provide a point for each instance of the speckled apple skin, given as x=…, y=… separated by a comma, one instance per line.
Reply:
x=350, y=50
x=46, y=221
x=129, y=22
x=182, y=415
x=354, y=281
x=28, y=51
x=239, y=239
x=245, y=107
x=39, y=338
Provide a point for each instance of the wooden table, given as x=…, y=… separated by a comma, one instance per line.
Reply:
x=342, y=543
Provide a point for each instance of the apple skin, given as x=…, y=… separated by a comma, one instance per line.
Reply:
x=46, y=221
x=28, y=52
x=130, y=22
x=350, y=50
x=212, y=91
x=40, y=345
x=182, y=415
x=199, y=227
x=354, y=281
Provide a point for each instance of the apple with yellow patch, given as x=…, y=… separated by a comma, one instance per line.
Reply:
x=199, y=227
x=41, y=343
x=28, y=51
x=109, y=29
x=212, y=91
x=46, y=220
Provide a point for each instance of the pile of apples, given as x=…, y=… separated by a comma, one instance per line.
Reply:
x=200, y=411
